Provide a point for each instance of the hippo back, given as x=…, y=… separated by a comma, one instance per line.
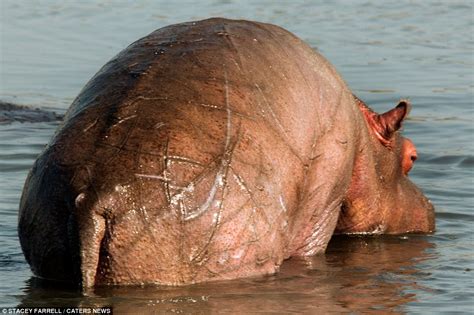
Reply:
x=200, y=147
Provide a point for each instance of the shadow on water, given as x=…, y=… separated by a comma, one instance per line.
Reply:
x=356, y=274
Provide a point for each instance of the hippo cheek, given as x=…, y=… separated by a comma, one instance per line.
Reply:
x=358, y=217
x=413, y=212
x=401, y=209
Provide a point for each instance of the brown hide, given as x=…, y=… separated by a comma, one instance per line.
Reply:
x=204, y=151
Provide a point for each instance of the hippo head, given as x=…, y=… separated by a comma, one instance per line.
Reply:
x=381, y=198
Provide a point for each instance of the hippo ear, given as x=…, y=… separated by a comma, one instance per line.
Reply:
x=386, y=124
x=391, y=121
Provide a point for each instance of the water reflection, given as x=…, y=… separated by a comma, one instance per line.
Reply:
x=356, y=274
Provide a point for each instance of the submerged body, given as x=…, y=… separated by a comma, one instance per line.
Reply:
x=213, y=150
x=10, y=113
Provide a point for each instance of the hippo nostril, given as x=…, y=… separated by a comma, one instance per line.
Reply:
x=413, y=158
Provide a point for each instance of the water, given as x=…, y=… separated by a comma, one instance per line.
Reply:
x=386, y=50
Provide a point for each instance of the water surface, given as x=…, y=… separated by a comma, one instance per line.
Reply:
x=385, y=50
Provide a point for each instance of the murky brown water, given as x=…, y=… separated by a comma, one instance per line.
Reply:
x=385, y=51
x=356, y=274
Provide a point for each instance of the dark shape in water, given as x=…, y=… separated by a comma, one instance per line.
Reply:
x=10, y=113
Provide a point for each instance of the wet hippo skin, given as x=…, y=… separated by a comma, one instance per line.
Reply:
x=214, y=150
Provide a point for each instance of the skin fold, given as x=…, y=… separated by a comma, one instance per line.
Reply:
x=213, y=150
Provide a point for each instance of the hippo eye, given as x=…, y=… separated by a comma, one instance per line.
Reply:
x=408, y=155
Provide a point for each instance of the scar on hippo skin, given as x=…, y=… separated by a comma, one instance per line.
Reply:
x=216, y=159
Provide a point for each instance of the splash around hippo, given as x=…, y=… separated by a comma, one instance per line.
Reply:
x=213, y=150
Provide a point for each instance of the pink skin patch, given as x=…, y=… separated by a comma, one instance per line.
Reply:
x=409, y=155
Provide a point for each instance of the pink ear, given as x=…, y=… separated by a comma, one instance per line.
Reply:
x=391, y=121
x=386, y=124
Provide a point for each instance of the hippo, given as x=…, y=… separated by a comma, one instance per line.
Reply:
x=214, y=150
